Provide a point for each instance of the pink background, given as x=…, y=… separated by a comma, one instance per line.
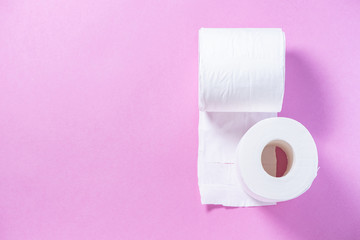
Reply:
x=98, y=119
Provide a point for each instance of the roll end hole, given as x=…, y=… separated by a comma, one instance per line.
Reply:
x=277, y=158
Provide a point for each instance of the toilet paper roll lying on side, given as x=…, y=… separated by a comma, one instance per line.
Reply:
x=241, y=69
x=301, y=152
x=241, y=81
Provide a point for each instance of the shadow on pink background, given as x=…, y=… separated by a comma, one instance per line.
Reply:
x=98, y=119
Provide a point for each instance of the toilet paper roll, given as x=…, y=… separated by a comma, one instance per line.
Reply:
x=301, y=152
x=241, y=69
x=241, y=82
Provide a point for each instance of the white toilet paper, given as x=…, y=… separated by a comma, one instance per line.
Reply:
x=241, y=70
x=219, y=135
x=241, y=81
x=300, y=149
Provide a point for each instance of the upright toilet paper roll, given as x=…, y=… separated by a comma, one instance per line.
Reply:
x=241, y=82
x=302, y=157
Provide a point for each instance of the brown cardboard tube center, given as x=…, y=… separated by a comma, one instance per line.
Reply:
x=277, y=158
